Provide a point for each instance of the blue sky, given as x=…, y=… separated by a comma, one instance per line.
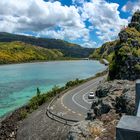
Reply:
x=86, y=22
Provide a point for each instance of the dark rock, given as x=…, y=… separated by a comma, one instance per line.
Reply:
x=102, y=91
x=135, y=21
x=118, y=95
x=123, y=36
x=102, y=109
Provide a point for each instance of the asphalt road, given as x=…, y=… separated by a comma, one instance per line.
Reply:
x=72, y=105
x=75, y=103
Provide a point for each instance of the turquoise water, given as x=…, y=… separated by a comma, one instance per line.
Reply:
x=18, y=82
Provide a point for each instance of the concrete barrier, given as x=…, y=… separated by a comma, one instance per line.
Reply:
x=137, y=106
x=128, y=127
x=56, y=117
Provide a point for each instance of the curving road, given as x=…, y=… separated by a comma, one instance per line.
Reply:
x=75, y=103
x=72, y=105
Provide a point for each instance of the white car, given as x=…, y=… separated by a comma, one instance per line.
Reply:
x=91, y=95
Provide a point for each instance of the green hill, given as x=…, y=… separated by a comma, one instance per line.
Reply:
x=17, y=52
x=105, y=51
x=123, y=54
x=68, y=49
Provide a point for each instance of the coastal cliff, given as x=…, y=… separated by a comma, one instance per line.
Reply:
x=123, y=53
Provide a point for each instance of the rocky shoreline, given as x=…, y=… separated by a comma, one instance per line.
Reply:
x=9, y=125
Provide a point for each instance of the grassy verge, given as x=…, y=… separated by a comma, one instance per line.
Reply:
x=42, y=98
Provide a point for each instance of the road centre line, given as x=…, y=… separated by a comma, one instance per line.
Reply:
x=80, y=92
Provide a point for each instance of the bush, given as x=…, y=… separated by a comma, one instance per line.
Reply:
x=73, y=83
x=23, y=113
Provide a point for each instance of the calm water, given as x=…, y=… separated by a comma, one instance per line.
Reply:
x=18, y=82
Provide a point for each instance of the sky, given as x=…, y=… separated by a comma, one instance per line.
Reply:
x=89, y=23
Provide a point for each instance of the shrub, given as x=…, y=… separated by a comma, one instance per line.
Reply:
x=23, y=113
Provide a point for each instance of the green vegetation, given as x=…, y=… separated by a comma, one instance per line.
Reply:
x=137, y=67
x=124, y=62
x=123, y=53
x=23, y=114
x=16, y=52
x=105, y=51
x=68, y=49
x=73, y=83
x=41, y=98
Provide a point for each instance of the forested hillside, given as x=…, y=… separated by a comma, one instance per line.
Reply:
x=17, y=52
x=68, y=49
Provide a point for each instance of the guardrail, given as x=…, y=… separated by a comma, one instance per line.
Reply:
x=56, y=117
x=128, y=127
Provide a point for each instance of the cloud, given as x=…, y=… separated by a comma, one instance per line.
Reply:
x=89, y=44
x=42, y=17
x=52, y=19
x=131, y=6
x=104, y=18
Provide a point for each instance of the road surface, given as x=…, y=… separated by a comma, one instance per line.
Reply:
x=75, y=103
x=72, y=105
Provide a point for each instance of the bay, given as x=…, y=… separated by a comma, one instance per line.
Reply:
x=18, y=82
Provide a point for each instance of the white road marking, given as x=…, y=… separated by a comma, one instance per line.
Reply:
x=83, y=97
x=76, y=94
x=79, y=114
x=65, y=107
x=87, y=100
x=73, y=112
x=79, y=93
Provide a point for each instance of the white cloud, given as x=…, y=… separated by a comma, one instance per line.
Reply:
x=131, y=6
x=42, y=17
x=51, y=19
x=71, y=33
x=89, y=44
x=104, y=17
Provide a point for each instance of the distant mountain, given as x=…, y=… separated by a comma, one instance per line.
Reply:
x=124, y=53
x=17, y=52
x=68, y=49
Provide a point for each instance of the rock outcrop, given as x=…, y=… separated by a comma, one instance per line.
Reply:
x=123, y=53
x=135, y=22
x=117, y=95
x=112, y=100
x=125, y=62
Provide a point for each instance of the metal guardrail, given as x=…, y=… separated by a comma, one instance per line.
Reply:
x=128, y=127
x=56, y=117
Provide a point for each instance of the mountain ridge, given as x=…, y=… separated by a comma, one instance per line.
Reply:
x=68, y=49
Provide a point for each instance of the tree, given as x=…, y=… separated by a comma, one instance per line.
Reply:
x=38, y=92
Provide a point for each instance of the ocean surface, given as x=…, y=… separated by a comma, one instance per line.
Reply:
x=18, y=82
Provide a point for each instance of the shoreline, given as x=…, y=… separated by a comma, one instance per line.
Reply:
x=10, y=123
x=30, y=62
x=8, y=114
